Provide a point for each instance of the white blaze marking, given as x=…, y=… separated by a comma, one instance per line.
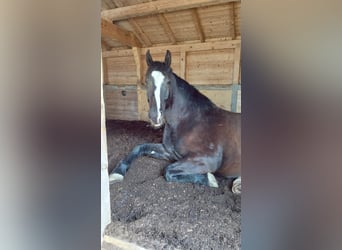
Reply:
x=158, y=80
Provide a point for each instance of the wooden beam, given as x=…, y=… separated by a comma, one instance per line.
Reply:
x=167, y=28
x=231, y=44
x=158, y=7
x=195, y=46
x=104, y=46
x=237, y=60
x=112, y=31
x=198, y=25
x=109, y=4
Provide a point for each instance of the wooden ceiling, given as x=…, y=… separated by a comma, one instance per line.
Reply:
x=147, y=23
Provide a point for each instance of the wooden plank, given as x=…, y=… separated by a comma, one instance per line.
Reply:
x=237, y=20
x=233, y=21
x=121, y=103
x=210, y=67
x=139, y=32
x=236, y=68
x=216, y=21
x=167, y=28
x=182, y=25
x=112, y=31
x=158, y=7
x=120, y=244
x=221, y=98
x=198, y=26
x=117, y=53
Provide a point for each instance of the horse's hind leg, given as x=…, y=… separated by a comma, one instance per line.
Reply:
x=236, y=188
x=155, y=150
x=194, y=171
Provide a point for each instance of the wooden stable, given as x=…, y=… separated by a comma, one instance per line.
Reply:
x=202, y=35
x=205, y=41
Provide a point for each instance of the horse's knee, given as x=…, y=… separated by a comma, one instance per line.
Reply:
x=138, y=149
x=121, y=168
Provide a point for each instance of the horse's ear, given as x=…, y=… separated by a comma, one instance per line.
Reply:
x=167, y=60
x=149, y=59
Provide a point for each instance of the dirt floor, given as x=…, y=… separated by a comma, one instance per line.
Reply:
x=156, y=214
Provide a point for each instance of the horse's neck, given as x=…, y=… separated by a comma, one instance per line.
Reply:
x=185, y=107
x=181, y=100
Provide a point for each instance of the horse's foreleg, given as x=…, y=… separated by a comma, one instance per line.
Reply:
x=191, y=170
x=155, y=150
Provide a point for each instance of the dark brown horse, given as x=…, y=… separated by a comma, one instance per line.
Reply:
x=199, y=137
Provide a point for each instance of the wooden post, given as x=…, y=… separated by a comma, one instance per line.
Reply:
x=137, y=59
x=105, y=196
x=237, y=59
x=183, y=64
x=141, y=95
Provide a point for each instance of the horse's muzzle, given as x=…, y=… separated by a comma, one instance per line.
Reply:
x=156, y=125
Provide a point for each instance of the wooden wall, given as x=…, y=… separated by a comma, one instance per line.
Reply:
x=212, y=67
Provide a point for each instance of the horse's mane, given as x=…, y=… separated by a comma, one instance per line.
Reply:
x=192, y=95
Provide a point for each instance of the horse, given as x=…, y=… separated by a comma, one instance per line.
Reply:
x=199, y=138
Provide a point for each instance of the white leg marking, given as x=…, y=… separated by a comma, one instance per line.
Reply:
x=158, y=80
x=212, y=180
x=236, y=188
x=115, y=178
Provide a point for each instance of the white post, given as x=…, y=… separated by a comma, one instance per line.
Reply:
x=105, y=196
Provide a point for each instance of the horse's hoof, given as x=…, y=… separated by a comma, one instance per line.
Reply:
x=236, y=188
x=212, y=182
x=115, y=177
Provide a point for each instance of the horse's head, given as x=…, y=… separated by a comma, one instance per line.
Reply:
x=158, y=78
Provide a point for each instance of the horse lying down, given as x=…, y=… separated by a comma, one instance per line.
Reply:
x=199, y=138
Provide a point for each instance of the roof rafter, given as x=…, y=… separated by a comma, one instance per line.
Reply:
x=136, y=28
x=167, y=28
x=198, y=25
x=112, y=31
